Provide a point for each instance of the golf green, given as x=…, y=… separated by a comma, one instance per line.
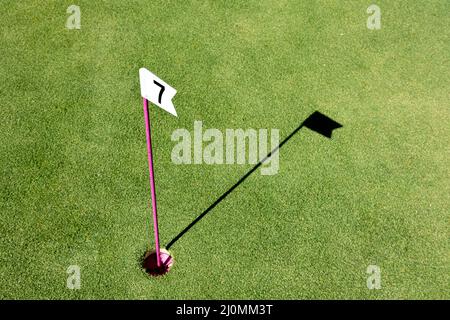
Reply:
x=74, y=188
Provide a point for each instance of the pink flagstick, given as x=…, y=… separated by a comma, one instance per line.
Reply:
x=152, y=180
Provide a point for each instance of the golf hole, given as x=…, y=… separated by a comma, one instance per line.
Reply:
x=150, y=264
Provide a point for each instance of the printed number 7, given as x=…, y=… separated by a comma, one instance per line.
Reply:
x=161, y=91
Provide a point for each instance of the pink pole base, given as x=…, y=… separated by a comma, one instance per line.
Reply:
x=150, y=263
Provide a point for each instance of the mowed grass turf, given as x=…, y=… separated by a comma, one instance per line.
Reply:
x=74, y=181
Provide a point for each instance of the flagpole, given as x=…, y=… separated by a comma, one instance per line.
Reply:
x=152, y=180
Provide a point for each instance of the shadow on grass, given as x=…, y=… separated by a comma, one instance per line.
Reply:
x=317, y=122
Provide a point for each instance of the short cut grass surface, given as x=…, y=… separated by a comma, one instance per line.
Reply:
x=74, y=181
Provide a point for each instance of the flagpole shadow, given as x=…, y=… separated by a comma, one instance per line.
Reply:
x=316, y=122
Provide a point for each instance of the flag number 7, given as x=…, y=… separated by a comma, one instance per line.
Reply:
x=161, y=91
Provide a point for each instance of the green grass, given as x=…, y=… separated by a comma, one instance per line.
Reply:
x=74, y=181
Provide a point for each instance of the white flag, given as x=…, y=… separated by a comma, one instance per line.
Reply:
x=157, y=91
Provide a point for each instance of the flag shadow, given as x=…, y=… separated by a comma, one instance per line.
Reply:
x=317, y=122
